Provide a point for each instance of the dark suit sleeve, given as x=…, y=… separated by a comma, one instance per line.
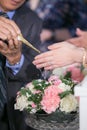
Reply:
x=31, y=28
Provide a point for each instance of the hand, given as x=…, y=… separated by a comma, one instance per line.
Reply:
x=60, y=54
x=9, y=32
x=13, y=55
x=81, y=40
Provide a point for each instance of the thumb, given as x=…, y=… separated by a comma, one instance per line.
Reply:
x=56, y=45
x=79, y=32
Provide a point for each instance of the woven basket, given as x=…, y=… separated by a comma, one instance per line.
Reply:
x=55, y=121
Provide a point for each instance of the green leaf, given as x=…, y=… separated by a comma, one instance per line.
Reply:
x=40, y=85
x=65, y=93
x=23, y=91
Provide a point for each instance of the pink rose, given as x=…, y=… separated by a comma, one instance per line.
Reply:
x=33, y=105
x=54, y=80
x=76, y=73
x=50, y=101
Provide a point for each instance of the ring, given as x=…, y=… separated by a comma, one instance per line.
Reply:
x=47, y=64
x=50, y=63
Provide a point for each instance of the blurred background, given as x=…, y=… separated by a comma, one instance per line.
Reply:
x=60, y=19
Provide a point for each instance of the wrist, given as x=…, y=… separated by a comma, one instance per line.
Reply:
x=80, y=52
x=14, y=60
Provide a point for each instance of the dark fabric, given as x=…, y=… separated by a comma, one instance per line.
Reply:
x=4, y=121
x=4, y=14
x=3, y=97
x=70, y=14
x=3, y=93
x=2, y=90
x=30, y=26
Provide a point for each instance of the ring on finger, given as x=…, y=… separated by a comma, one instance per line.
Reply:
x=50, y=63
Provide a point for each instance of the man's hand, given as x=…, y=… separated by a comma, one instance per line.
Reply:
x=9, y=32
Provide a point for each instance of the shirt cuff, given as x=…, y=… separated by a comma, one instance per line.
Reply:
x=15, y=68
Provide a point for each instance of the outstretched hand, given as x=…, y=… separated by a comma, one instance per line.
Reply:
x=60, y=54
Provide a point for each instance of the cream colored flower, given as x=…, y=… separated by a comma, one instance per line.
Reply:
x=21, y=103
x=68, y=103
x=33, y=111
x=64, y=87
x=31, y=87
x=59, y=71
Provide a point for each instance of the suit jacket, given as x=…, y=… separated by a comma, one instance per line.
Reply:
x=30, y=26
x=3, y=97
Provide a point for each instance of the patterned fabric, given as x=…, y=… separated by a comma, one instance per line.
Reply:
x=68, y=14
x=4, y=14
x=2, y=89
x=3, y=96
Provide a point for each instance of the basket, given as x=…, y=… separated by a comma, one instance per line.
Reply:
x=55, y=121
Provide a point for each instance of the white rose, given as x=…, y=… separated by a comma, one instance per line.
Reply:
x=27, y=95
x=33, y=111
x=64, y=87
x=68, y=103
x=31, y=87
x=59, y=71
x=21, y=103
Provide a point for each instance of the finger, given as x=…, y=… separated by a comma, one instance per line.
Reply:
x=16, y=27
x=11, y=26
x=7, y=29
x=43, y=60
x=15, y=33
x=3, y=36
x=11, y=44
x=42, y=65
x=14, y=43
x=57, y=45
x=50, y=67
x=79, y=32
x=44, y=55
x=3, y=46
x=45, y=64
x=54, y=46
x=18, y=44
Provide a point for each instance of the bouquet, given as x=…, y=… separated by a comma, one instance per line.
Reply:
x=49, y=96
x=48, y=103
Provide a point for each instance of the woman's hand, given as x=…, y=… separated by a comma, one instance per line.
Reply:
x=60, y=54
x=81, y=40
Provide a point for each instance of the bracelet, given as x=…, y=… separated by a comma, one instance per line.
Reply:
x=84, y=59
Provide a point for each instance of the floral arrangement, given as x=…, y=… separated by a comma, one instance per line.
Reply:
x=56, y=93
